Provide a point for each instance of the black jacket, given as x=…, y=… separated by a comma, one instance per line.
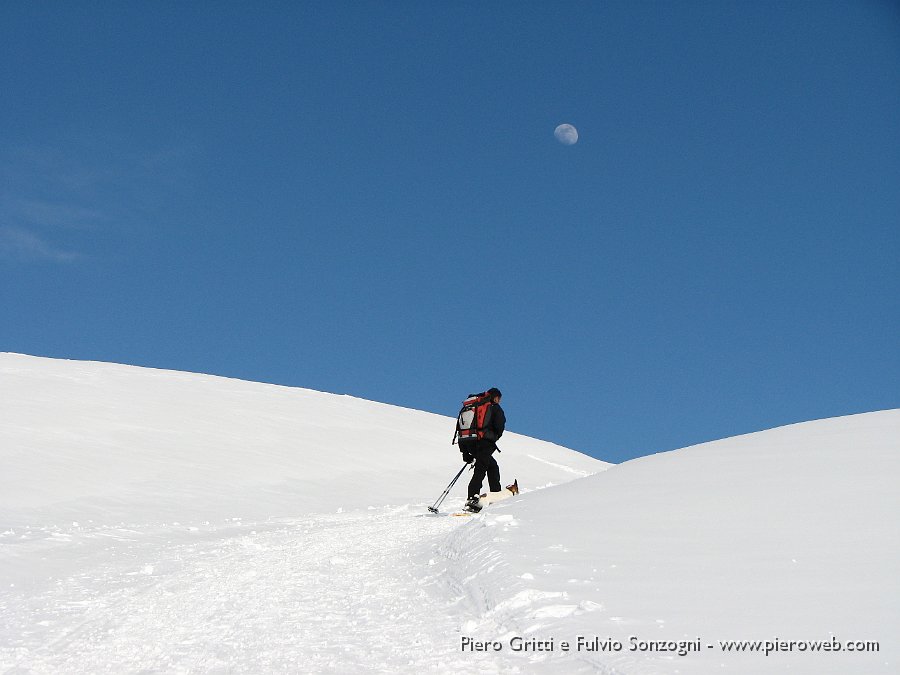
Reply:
x=496, y=423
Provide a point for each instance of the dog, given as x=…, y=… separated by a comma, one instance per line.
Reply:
x=492, y=497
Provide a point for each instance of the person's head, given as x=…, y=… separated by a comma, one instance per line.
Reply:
x=495, y=394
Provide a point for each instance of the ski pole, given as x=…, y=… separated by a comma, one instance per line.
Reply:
x=434, y=509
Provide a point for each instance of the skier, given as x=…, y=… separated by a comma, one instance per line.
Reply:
x=485, y=464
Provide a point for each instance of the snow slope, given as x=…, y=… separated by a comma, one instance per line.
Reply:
x=155, y=521
x=166, y=522
x=84, y=441
x=784, y=535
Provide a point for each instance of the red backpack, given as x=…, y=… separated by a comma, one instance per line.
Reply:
x=473, y=418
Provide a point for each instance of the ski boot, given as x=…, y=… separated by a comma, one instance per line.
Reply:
x=473, y=504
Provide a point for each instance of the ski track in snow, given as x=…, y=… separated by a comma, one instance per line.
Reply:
x=358, y=591
x=562, y=467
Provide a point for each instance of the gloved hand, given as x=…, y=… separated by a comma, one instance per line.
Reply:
x=467, y=458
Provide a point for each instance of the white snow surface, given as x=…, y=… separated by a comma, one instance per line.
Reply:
x=85, y=441
x=161, y=522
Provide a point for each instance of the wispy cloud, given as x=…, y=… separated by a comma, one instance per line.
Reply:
x=87, y=192
x=20, y=244
x=53, y=214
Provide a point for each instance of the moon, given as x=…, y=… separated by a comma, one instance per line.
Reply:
x=566, y=134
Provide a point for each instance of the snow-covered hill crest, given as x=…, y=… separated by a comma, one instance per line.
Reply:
x=787, y=535
x=99, y=441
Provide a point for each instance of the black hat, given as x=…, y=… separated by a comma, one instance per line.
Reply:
x=493, y=392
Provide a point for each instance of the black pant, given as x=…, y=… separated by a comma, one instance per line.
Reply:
x=485, y=464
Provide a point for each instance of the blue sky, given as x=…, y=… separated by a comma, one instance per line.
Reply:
x=367, y=198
